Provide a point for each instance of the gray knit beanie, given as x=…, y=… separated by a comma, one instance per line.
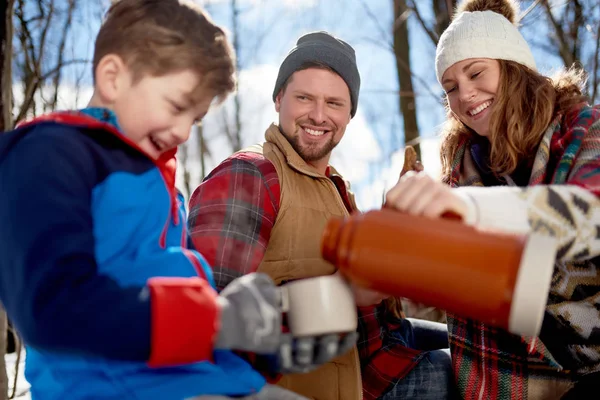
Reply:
x=323, y=48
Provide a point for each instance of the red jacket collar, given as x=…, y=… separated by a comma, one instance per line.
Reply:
x=166, y=163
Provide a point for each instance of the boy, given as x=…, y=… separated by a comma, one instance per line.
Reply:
x=95, y=271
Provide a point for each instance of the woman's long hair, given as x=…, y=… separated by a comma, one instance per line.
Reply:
x=525, y=105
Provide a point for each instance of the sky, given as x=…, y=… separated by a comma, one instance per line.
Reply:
x=370, y=155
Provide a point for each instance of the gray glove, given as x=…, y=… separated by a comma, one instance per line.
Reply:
x=250, y=315
x=301, y=355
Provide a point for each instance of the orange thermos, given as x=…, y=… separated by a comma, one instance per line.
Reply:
x=498, y=278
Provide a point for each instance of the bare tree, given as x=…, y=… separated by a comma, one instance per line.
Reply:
x=230, y=117
x=203, y=151
x=60, y=57
x=227, y=112
x=575, y=34
x=3, y=375
x=6, y=63
x=183, y=153
x=400, y=45
x=42, y=28
x=595, y=67
x=408, y=107
x=443, y=10
x=234, y=133
x=6, y=124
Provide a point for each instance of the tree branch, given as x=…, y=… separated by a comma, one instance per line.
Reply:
x=203, y=151
x=575, y=27
x=183, y=152
x=450, y=8
x=375, y=20
x=265, y=32
x=6, y=74
x=28, y=52
x=36, y=82
x=563, y=46
x=228, y=133
x=33, y=64
x=595, y=80
x=236, y=137
x=432, y=35
x=422, y=82
x=529, y=9
x=61, y=51
x=402, y=52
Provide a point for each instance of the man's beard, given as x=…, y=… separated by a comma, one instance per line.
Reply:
x=312, y=152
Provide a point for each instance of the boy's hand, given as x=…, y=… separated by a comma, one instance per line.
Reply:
x=250, y=315
x=251, y=320
x=301, y=355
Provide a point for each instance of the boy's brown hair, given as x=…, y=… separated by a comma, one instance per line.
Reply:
x=157, y=37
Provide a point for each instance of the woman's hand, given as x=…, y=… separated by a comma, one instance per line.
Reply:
x=416, y=193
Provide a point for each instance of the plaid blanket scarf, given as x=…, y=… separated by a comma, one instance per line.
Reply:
x=493, y=364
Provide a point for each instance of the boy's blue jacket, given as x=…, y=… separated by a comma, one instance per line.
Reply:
x=95, y=269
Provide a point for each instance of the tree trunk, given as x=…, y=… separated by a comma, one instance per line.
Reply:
x=3, y=375
x=443, y=10
x=5, y=124
x=202, y=151
x=5, y=66
x=183, y=153
x=236, y=142
x=408, y=107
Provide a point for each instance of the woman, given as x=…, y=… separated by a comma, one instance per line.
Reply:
x=521, y=153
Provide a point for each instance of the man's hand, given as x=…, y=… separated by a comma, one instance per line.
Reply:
x=251, y=315
x=411, y=162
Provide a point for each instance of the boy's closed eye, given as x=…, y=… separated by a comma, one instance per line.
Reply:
x=177, y=107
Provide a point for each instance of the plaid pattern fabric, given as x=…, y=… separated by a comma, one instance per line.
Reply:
x=232, y=214
x=384, y=362
x=493, y=364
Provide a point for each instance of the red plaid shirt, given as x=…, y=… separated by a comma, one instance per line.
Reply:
x=232, y=214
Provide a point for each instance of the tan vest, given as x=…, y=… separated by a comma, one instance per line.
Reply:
x=308, y=200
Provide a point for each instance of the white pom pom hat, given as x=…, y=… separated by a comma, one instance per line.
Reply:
x=481, y=34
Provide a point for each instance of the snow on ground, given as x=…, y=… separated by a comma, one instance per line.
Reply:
x=22, y=392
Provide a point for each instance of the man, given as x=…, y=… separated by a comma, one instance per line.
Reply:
x=265, y=207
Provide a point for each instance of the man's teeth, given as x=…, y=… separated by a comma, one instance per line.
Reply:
x=480, y=108
x=314, y=132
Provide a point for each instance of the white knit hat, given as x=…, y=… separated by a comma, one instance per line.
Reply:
x=481, y=34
